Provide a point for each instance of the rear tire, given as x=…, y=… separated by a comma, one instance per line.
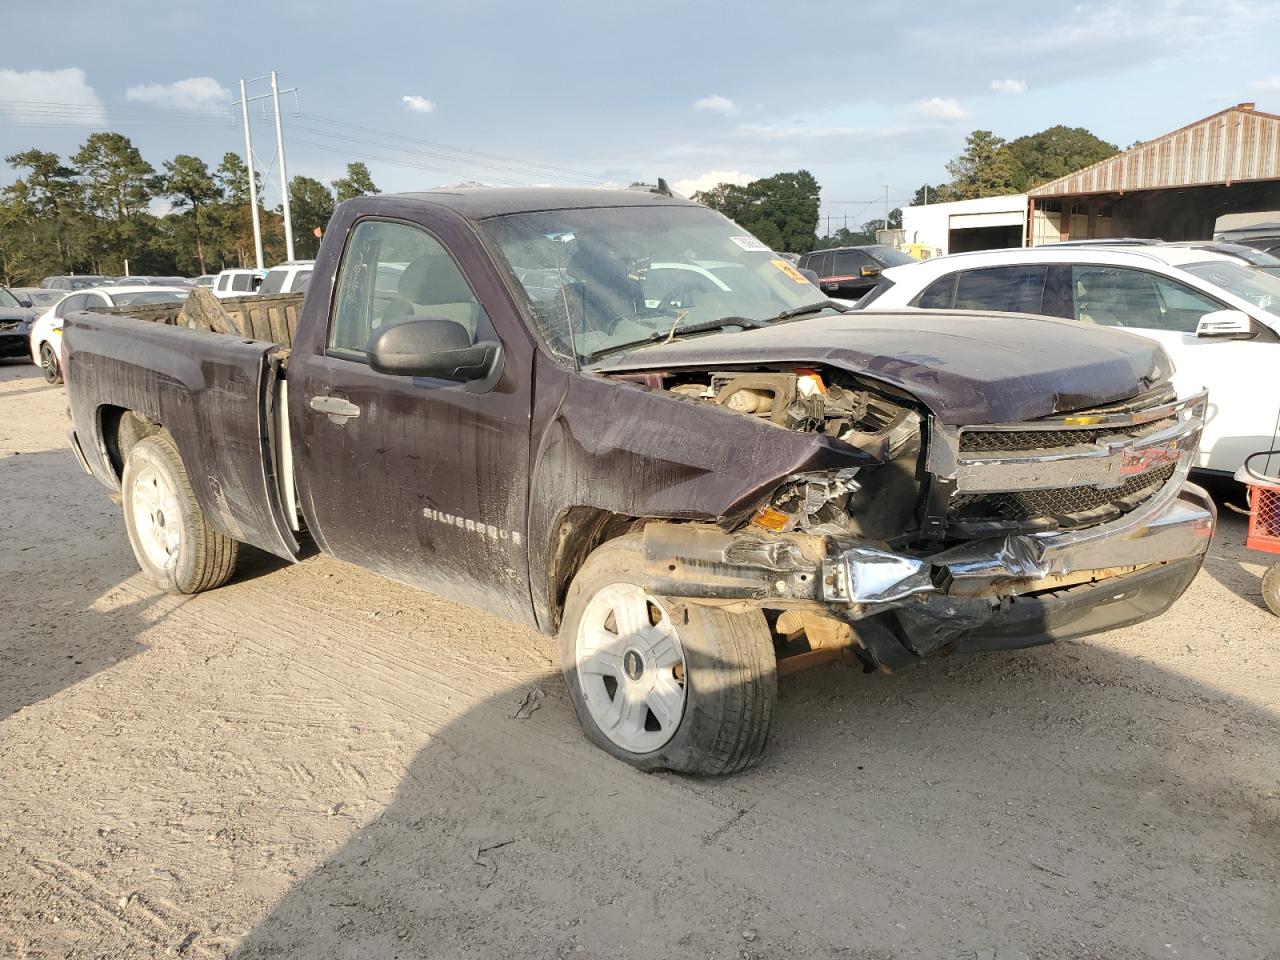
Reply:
x=1271, y=588
x=49, y=363
x=172, y=540
x=625, y=653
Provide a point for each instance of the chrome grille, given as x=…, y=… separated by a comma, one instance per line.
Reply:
x=998, y=441
x=1064, y=506
x=1067, y=471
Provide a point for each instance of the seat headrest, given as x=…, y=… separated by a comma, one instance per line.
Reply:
x=432, y=279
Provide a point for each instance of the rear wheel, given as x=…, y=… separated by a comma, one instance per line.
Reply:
x=175, y=546
x=662, y=684
x=1271, y=588
x=49, y=363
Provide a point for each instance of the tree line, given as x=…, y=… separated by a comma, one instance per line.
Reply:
x=91, y=212
x=782, y=210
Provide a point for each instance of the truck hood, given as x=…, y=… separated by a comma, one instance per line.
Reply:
x=967, y=368
x=8, y=314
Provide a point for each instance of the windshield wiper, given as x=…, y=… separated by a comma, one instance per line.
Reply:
x=810, y=308
x=667, y=336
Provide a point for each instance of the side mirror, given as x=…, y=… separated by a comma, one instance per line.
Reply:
x=1225, y=324
x=810, y=275
x=434, y=347
x=24, y=302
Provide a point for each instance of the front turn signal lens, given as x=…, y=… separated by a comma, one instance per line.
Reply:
x=771, y=519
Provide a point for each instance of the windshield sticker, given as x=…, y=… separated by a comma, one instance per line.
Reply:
x=752, y=244
x=790, y=271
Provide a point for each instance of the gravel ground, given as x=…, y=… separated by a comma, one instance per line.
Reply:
x=314, y=762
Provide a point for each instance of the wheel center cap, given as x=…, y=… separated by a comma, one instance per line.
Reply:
x=633, y=664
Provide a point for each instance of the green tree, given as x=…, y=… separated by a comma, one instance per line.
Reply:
x=1055, y=152
x=311, y=205
x=357, y=183
x=45, y=220
x=781, y=210
x=119, y=182
x=926, y=194
x=189, y=183
x=984, y=169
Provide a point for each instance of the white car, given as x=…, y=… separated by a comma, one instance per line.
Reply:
x=290, y=277
x=1217, y=317
x=46, y=332
x=237, y=283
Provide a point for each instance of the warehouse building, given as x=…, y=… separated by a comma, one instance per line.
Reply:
x=1175, y=187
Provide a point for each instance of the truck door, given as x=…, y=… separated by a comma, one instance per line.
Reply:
x=419, y=479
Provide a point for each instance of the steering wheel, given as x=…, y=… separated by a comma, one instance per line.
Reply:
x=679, y=298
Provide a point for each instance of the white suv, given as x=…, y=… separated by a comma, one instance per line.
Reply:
x=1218, y=318
x=289, y=277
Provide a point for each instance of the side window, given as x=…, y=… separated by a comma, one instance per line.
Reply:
x=1182, y=306
x=242, y=282
x=71, y=304
x=274, y=282
x=392, y=271
x=220, y=284
x=821, y=264
x=1116, y=297
x=849, y=263
x=939, y=295
x=1016, y=289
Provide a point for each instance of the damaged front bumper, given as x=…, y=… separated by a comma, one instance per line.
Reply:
x=1011, y=591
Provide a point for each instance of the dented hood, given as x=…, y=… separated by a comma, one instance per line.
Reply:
x=968, y=368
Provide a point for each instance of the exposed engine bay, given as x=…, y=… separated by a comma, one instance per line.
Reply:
x=871, y=558
x=876, y=502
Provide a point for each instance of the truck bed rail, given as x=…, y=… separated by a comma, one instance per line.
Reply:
x=272, y=318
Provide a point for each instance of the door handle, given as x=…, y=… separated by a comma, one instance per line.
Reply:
x=338, y=409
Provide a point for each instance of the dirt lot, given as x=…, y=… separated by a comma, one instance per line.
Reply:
x=313, y=762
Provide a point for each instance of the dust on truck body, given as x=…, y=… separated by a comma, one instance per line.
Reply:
x=616, y=417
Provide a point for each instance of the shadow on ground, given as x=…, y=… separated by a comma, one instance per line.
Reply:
x=1068, y=801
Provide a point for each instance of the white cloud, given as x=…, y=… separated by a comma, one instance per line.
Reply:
x=940, y=108
x=418, y=104
x=716, y=104
x=194, y=93
x=1267, y=84
x=1009, y=86
x=705, y=181
x=30, y=95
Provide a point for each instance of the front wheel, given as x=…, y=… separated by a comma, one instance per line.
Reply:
x=175, y=546
x=662, y=684
x=49, y=363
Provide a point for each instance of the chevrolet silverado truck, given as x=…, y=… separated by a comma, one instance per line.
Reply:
x=617, y=417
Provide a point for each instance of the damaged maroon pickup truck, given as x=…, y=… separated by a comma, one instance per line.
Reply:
x=615, y=416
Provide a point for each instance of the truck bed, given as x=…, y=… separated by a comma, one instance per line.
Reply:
x=221, y=397
x=273, y=319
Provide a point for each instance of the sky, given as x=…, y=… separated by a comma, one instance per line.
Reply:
x=865, y=95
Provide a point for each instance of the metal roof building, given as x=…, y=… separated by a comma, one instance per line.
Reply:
x=1173, y=187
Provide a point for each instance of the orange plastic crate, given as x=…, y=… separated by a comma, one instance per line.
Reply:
x=1264, y=518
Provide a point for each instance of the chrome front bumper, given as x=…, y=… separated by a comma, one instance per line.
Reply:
x=1168, y=529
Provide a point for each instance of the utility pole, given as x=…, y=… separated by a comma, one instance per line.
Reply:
x=253, y=186
x=284, y=176
x=886, y=206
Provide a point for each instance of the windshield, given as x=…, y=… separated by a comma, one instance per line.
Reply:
x=157, y=296
x=7, y=299
x=889, y=257
x=1259, y=287
x=606, y=277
